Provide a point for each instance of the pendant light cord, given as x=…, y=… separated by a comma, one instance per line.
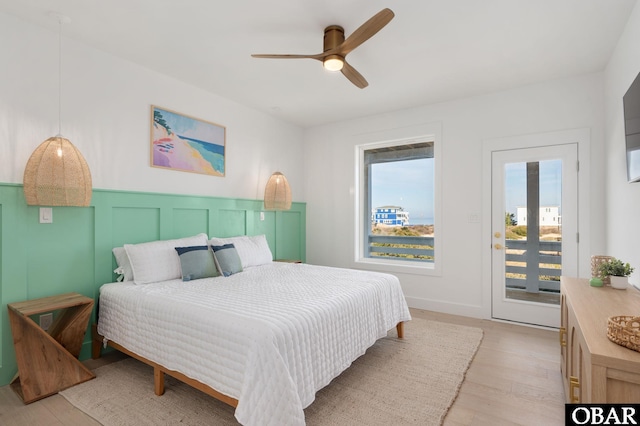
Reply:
x=60, y=78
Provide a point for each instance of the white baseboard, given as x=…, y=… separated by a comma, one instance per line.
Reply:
x=472, y=311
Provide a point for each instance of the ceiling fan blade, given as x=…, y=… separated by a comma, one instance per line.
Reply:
x=319, y=56
x=354, y=76
x=365, y=31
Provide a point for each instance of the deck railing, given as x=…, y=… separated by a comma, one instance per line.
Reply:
x=533, y=259
x=524, y=259
x=419, y=249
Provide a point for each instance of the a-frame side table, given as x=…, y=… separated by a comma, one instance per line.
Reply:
x=48, y=360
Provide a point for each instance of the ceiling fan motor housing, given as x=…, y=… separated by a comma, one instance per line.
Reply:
x=333, y=37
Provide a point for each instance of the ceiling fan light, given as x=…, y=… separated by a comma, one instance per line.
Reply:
x=333, y=63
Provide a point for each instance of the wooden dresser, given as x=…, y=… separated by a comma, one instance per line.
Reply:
x=594, y=369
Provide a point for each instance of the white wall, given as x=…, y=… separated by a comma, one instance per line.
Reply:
x=622, y=199
x=329, y=152
x=106, y=114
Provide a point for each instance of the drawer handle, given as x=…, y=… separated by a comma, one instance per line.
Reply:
x=574, y=384
x=563, y=334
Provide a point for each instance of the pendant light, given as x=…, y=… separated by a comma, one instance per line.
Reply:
x=277, y=193
x=57, y=174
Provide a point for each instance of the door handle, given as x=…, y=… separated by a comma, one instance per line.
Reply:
x=498, y=246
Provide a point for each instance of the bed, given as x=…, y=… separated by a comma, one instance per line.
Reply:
x=264, y=340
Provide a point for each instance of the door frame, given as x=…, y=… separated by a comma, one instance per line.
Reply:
x=581, y=137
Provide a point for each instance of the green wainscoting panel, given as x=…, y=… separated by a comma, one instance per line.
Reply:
x=1, y=257
x=265, y=224
x=132, y=225
x=288, y=229
x=235, y=223
x=60, y=255
x=13, y=284
x=191, y=221
x=74, y=253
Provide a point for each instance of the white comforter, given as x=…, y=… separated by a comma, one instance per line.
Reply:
x=271, y=336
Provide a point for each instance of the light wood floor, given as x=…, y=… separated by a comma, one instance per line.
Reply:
x=513, y=379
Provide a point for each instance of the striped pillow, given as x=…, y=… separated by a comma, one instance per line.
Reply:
x=196, y=262
x=227, y=259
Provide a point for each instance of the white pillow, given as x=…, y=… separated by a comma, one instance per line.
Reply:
x=158, y=260
x=124, y=266
x=253, y=251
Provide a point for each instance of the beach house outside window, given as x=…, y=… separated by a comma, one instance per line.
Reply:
x=397, y=205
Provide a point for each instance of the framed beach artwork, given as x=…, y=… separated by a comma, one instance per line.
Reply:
x=188, y=144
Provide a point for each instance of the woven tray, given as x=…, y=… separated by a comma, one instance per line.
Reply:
x=625, y=331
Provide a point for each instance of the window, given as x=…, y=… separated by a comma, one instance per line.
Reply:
x=397, y=203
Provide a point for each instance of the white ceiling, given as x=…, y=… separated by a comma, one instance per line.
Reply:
x=432, y=51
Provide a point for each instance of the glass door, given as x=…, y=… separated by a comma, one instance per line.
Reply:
x=534, y=227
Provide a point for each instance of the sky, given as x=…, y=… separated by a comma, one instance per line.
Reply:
x=409, y=184
x=516, y=185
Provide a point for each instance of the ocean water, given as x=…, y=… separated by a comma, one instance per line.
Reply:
x=213, y=153
x=420, y=220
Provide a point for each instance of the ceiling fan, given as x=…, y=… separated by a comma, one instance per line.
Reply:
x=336, y=47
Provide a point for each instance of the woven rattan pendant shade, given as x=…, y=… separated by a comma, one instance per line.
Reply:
x=57, y=175
x=277, y=193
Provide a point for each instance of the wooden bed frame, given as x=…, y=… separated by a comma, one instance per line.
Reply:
x=159, y=371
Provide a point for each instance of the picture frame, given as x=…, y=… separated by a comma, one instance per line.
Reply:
x=185, y=143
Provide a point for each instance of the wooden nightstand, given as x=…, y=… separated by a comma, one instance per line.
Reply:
x=48, y=360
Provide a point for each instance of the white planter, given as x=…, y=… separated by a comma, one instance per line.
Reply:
x=620, y=283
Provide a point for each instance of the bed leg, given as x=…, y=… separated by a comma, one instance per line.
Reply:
x=96, y=342
x=158, y=381
x=400, y=330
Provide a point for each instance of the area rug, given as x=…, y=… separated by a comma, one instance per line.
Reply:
x=412, y=381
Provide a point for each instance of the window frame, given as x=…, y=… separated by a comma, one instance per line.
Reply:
x=386, y=264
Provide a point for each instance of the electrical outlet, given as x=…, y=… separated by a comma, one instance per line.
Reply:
x=46, y=320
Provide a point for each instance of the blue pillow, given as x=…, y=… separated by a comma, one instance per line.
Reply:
x=227, y=259
x=196, y=262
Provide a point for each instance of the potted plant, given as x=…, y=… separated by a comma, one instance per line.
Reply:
x=618, y=272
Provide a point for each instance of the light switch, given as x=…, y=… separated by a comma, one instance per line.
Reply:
x=261, y=215
x=46, y=215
